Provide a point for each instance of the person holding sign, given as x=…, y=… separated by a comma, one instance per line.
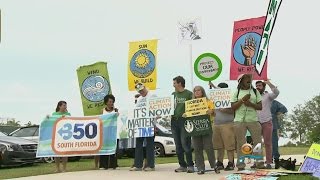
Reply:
x=61, y=110
x=265, y=116
x=106, y=161
x=223, y=134
x=245, y=102
x=203, y=141
x=181, y=140
x=138, y=158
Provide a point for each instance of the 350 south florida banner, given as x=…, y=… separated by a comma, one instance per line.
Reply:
x=245, y=44
x=94, y=85
x=78, y=136
x=142, y=64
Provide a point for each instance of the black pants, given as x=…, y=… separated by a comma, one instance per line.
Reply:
x=108, y=161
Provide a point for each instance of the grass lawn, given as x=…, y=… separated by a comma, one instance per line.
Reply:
x=88, y=164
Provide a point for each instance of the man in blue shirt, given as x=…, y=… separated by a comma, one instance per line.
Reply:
x=277, y=111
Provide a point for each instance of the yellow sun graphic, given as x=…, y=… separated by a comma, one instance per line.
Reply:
x=142, y=61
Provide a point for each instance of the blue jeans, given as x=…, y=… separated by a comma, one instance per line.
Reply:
x=182, y=141
x=138, y=158
x=275, y=149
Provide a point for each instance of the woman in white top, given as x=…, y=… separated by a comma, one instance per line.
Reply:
x=107, y=161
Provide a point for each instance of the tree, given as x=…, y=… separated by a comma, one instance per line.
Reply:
x=11, y=122
x=304, y=122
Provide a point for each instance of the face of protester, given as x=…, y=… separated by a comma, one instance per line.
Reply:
x=246, y=82
x=197, y=92
x=176, y=85
x=143, y=92
x=63, y=107
x=260, y=88
x=110, y=103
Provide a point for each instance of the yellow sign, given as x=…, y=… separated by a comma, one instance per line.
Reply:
x=196, y=107
x=314, y=151
x=142, y=64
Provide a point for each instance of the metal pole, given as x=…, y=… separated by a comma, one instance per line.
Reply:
x=191, y=64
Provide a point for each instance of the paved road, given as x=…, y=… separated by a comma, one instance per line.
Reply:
x=163, y=172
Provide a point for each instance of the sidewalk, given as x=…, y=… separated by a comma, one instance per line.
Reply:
x=163, y=172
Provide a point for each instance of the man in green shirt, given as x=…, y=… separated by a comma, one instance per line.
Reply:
x=182, y=141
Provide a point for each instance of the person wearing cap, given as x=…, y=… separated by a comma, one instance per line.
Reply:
x=265, y=116
x=138, y=158
x=181, y=140
x=245, y=102
x=223, y=134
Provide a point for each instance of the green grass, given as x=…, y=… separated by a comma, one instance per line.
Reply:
x=298, y=177
x=88, y=164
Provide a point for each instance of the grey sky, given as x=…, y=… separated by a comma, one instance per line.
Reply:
x=44, y=42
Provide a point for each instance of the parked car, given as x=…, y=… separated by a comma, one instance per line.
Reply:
x=17, y=151
x=32, y=133
x=163, y=144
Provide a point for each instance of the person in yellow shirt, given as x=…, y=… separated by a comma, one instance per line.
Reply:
x=203, y=142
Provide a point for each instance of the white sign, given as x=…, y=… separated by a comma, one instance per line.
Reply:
x=189, y=30
x=220, y=97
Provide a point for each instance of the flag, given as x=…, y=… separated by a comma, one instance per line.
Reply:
x=94, y=85
x=142, y=64
x=246, y=38
x=273, y=9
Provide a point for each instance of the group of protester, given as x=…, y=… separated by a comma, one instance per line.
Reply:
x=252, y=109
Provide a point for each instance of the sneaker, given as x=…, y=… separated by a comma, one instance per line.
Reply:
x=268, y=166
x=149, y=169
x=190, y=169
x=258, y=165
x=254, y=166
x=219, y=165
x=181, y=169
x=201, y=172
x=240, y=169
x=229, y=167
x=135, y=169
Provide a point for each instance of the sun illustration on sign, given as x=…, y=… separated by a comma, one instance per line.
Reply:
x=143, y=63
x=142, y=60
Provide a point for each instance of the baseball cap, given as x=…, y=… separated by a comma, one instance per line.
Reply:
x=223, y=85
x=139, y=87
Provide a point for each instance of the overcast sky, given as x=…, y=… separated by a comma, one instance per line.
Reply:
x=44, y=42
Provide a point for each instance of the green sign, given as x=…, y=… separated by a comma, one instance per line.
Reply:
x=208, y=67
x=94, y=85
x=198, y=125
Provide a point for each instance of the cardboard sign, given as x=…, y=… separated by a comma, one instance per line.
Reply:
x=196, y=107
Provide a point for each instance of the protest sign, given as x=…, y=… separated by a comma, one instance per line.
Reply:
x=311, y=163
x=142, y=64
x=198, y=125
x=94, y=85
x=196, y=107
x=220, y=97
x=78, y=136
